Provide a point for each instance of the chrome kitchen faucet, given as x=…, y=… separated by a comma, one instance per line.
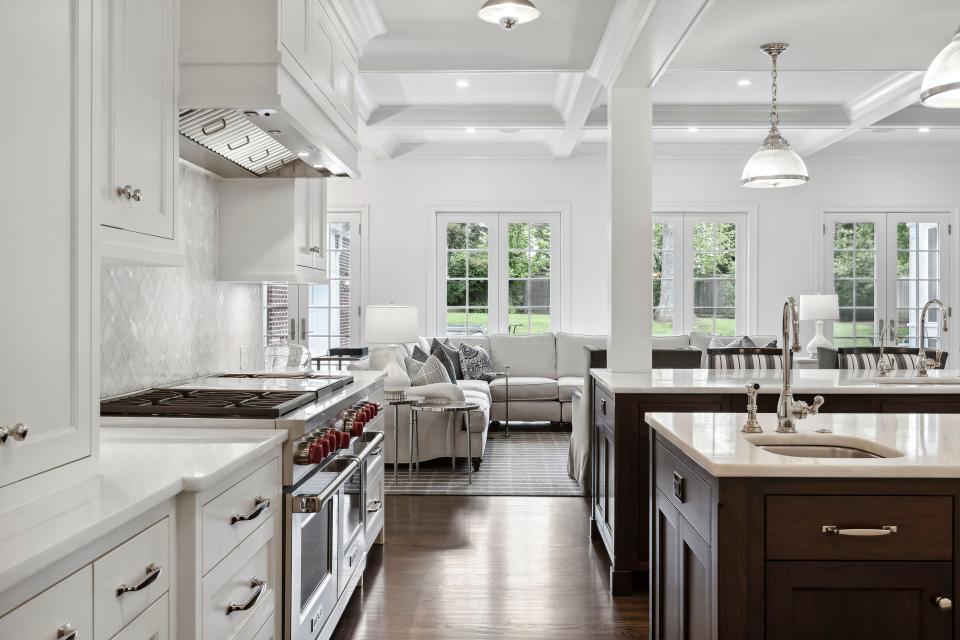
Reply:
x=788, y=409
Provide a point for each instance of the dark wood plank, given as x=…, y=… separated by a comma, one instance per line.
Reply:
x=489, y=567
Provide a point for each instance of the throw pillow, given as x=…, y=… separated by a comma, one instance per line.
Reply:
x=447, y=356
x=413, y=366
x=419, y=354
x=475, y=362
x=431, y=372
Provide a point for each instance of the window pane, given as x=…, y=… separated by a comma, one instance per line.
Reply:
x=539, y=320
x=928, y=264
x=336, y=328
x=456, y=321
x=703, y=320
x=519, y=293
x=703, y=293
x=477, y=293
x=844, y=290
x=456, y=235
x=540, y=264
x=864, y=264
x=864, y=290
x=477, y=321
x=540, y=293
x=319, y=323
x=319, y=345
x=727, y=293
x=319, y=295
x=477, y=264
x=865, y=236
x=518, y=321
x=478, y=236
x=704, y=265
x=906, y=264
x=540, y=236
x=843, y=236
x=456, y=293
x=663, y=322
x=842, y=264
x=519, y=235
x=519, y=264
x=456, y=264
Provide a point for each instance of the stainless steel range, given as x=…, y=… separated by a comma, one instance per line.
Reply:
x=333, y=511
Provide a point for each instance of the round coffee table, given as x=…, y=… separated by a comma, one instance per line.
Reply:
x=446, y=407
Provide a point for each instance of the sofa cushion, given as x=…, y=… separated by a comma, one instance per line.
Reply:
x=419, y=354
x=438, y=351
x=531, y=356
x=453, y=356
x=567, y=385
x=525, y=388
x=570, y=356
x=474, y=362
x=475, y=387
x=670, y=342
x=430, y=372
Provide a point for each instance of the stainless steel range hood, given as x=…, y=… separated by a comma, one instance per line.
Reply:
x=229, y=144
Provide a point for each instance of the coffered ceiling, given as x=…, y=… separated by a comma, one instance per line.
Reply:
x=441, y=83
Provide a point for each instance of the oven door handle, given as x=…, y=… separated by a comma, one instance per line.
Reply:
x=313, y=503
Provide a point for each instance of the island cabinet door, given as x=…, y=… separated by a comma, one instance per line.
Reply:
x=682, y=588
x=859, y=600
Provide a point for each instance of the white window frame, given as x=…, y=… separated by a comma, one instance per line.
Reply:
x=686, y=216
x=497, y=216
x=885, y=291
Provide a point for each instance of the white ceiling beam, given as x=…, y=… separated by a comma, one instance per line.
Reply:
x=884, y=100
x=582, y=96
x=383, y=145
x=462, y=116
x=917, y=115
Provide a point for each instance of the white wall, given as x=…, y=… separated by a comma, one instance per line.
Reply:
x=400, y=193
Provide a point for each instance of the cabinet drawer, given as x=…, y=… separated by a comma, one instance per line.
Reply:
x=152, y=624
x=688, y=492
x=375, y=504
x=924, y=527
x=141, y=566
x=603, y=405
x=268, y=631
x=238, y=511
x=67, y=602
x=238, y=590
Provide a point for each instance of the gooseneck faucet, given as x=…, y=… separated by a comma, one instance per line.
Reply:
x=924, y=363
x=788, y=409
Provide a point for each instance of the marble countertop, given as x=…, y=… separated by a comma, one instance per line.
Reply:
x=844, y=381
x=924, y=446
x=139, y=470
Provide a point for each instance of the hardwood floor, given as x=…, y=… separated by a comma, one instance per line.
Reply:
x=466, y=567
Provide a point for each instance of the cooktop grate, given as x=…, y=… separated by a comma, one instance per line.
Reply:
x=207, y=403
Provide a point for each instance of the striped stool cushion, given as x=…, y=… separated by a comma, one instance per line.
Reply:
x=746, y=358
x=869, y=361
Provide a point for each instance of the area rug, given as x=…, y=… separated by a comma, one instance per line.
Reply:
x=528, y=463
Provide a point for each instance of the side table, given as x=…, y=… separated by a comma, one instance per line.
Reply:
x=505, y=374
x=447, y=407
x=396, y=404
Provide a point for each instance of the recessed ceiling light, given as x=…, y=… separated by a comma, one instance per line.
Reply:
x=318, y=166
x=745, y=82
x=692, y=129
x=463, y=84
x=303, y=154
x=923, y=130
x=471, y=130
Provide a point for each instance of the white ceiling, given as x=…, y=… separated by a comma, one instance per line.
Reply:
x=446, y=35
x=532, y=91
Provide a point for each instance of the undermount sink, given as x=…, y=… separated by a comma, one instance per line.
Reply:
x=818, y=451
x=912, y=380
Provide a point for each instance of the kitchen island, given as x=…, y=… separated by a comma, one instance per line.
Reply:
x=783, y=536
x=620, y=434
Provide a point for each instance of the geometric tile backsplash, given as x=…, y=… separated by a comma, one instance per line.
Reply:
x=164, y=324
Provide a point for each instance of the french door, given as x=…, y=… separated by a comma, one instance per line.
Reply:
x=884, y=267
x=498, y=273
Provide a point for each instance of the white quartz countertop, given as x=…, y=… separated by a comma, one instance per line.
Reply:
x=924, y=446
x=140, y=469
x=843, y=381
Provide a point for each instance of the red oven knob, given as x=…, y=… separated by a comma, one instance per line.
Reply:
x=343, y=439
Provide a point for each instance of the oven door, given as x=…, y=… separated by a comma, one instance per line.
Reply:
x=314, y=561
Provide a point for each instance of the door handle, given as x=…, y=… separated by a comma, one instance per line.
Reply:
x=262, y=504
x=258, y=586
x=153, y=572
x=885, y=530
x=293, y=329
x=303, y=329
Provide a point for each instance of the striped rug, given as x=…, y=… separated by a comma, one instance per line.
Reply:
x=528, y=463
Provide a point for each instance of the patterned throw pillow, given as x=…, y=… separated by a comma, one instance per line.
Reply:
x=430, y=372
x=870, y=361
x=475, y=362
x=747, y=359
x=413, y=366
x=446, y=356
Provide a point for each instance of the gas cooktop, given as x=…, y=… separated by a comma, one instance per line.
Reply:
x=207, y=403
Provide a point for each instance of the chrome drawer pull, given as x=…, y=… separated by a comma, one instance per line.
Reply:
x=255, y=597
x=374, y=506
x=153, y=572
x=603, y=406
x=262, y=504
x=377, y=451
x=67, y=632
x=833, y=529
x=943, y=603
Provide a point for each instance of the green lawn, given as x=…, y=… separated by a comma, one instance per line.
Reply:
x=478, y=322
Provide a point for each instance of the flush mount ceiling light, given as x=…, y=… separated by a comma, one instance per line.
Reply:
x=775, y=164
x=509, y=14
x=744, y=83
x=941, y=84
x=463, y=84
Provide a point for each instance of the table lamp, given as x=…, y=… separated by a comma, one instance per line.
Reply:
x=388, y=327
x=818, y=308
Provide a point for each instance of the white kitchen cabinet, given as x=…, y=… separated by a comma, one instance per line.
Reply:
x=272, y=230
x=152, y=624
x=48, y=332
x=135, y=139
x=64, y=608
x=345, y=84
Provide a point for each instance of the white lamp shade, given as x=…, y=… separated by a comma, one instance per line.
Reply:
x=941, y=83
x=391, y=324
x=819, y=307
x=774, y=165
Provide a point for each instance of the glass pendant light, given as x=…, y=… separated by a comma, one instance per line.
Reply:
x=941, y=83
x=509, y=14
x=775, y=164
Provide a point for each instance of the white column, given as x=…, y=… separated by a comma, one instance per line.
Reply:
x=630, y=150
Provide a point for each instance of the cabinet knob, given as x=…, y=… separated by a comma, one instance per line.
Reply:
x=314, y=249
x=17, y=432
x=137, y=195
x=67, y=632
x=943, y=603
x=126, y=191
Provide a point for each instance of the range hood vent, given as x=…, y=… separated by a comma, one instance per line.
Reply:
x=231, y=135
